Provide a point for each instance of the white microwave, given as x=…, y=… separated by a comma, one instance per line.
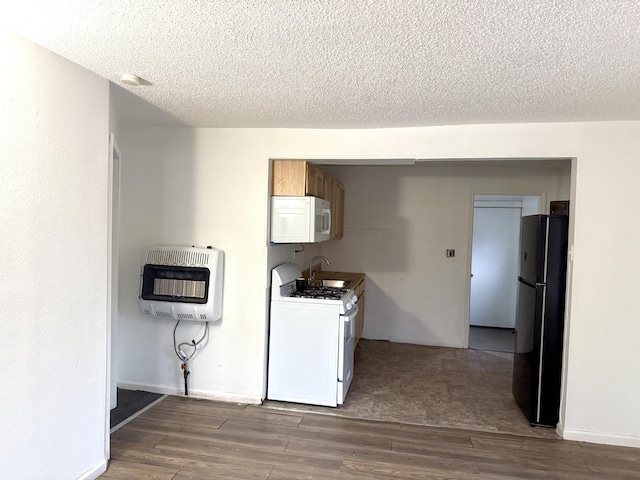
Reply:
x=300, y=220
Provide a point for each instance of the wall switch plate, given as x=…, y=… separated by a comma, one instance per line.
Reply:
x=451, y=252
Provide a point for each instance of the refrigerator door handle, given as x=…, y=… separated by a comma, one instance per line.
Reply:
x=522, y=280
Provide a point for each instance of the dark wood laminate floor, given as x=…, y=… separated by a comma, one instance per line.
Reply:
x=187, y=439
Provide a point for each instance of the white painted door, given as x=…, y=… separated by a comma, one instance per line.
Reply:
x=494, y=265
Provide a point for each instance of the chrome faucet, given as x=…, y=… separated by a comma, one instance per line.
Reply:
x=312, y=275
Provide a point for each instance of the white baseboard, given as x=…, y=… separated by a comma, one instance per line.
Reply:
x=204, y=395
x=602, y=438
x=94, y=472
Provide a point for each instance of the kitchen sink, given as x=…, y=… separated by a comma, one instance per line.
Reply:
x=336, y=283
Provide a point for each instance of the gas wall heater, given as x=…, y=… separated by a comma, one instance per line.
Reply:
x=182, y=283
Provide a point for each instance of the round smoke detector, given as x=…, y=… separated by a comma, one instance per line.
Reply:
x=130, y=79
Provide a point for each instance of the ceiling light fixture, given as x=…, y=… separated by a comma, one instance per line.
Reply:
x=130, y=79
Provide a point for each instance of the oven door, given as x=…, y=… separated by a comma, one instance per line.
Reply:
x=346, y=346
x=345, y=353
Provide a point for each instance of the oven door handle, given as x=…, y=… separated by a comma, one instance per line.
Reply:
x=351, y=314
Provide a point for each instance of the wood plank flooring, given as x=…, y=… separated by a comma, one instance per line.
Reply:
x=187, y=439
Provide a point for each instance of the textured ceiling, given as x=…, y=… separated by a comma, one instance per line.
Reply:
x=346, y=64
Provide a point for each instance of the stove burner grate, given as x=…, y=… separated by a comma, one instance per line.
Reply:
x=323, y=293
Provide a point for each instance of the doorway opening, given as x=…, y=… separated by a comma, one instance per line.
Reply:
x=407, y=367
x=495, y=262
x=122, y=405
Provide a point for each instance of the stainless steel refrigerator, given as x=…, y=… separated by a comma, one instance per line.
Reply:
x=537, y=367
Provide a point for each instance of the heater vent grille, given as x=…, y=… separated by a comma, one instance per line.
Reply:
x=177, y=257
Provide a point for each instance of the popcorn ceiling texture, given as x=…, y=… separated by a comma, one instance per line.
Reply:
x=353, y=64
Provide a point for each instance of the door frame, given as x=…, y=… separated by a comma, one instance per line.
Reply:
x=113, y=214
x=544, y=208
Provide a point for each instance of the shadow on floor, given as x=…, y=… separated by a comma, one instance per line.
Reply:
x=130, y=402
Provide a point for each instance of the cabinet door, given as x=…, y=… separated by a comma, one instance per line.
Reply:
x=337, y=210
x=328, y=188
x=288, y=178
x=299, y=178
x=314, y=181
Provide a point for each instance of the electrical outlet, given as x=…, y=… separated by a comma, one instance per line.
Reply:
x=451, y=253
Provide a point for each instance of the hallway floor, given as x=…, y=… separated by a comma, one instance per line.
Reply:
x=436, y=386
x=494, y=339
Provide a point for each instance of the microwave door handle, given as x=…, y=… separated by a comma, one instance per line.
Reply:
x=326, y=221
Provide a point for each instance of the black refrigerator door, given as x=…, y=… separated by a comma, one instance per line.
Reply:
x=553, y=325
x=526, y=361
x=533, y=249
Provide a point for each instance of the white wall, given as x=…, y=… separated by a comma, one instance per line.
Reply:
x=564, y=182
x=210, y=186
x=531, y=205
x=196, y=187
x=53, y=193
x=399, y=222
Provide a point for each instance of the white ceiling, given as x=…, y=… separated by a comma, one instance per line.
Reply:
x=351, y=63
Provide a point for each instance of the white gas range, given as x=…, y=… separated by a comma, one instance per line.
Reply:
x=311, y=341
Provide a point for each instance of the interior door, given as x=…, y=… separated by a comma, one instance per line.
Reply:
x=494, y=265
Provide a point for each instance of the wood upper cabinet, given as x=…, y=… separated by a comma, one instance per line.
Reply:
x=337, y=210
x=328, y=188
x=296, y=178
x=315, y=181
x=299, y=178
